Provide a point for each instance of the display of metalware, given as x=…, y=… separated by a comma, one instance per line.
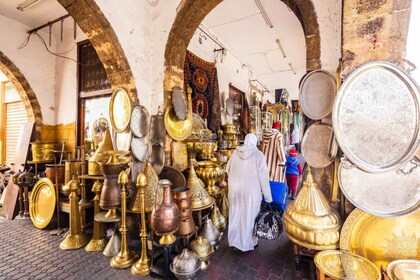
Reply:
x=42, y=203
x=318, y=146
x=140, y=121
x=75, y=237
x=310, y=221
x=209, y=232
x=179, y=155
x=317, y=92
x=200, y=198
x=179, y=102
x=186, y=265
x=120, y=110
x=255, y=113
x=266, y=121
x=174, y=176
x=114, y=244
x=142, y=266
x=375, y=106
x=210, y=172
x=386, y=194
x=141, y=148
x=182, y=198
x=165, y=215
x=179, y=129
x=342, y=265
x=157, y=128
x=218, y=220
x=403, y=269
x=51, y=170
x=125, y=257
x=203, y=249
x=151, y=191
x=123, y=140
x=98, y=241
x=381, y=240
x=99, y=155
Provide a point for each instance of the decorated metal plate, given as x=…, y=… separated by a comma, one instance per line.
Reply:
x=179, y=102
x=157, y=129
x=42, y=203
x=404, y=269
x=120, y=110
x=381, y=240
x=386, y=194
x=317, y=145
x=176, y=128
x=376, y=117
x=141, y=148
x=317, y=93
x=157, y=158
x=344, y=265
x=123, y=140
x=140, y=121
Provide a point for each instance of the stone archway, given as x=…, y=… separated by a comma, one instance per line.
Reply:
x=190, y=13
x=97, y=28
x=33, y=109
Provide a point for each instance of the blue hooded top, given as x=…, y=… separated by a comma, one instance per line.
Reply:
x=292, y=165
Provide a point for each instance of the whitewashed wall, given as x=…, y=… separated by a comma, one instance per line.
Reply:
x=36, y=64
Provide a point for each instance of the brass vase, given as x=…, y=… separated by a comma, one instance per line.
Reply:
x=309, y=219
x=165, y=215
x=210, y=172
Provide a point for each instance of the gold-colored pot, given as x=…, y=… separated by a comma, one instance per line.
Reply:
x=210, y=172
x=43, y=151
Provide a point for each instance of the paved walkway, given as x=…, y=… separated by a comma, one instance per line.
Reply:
x=29, y=253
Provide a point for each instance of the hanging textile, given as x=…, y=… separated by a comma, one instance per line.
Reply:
x=272, y=146
x=201, y=76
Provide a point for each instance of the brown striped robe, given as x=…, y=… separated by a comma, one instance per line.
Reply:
x=272, y=146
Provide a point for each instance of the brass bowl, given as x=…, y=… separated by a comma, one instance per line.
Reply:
x=210, y=172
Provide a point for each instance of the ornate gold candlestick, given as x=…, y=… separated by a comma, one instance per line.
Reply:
x=98, y=241
x=75, y=239
x=142, y=266
x=125, y=258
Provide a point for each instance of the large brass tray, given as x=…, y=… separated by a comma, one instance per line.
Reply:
x=42, y=203
x=404, y=269
x=381, y=240
x=120, y=110
x=317, y=145
x=376, y=117
x=317, y=93
x=386, y=194
x=346, y=266
x=176, y=128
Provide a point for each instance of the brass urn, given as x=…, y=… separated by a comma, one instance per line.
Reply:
x=203, y=249
x=310, y=221
x=210, y=172
x=165, y=215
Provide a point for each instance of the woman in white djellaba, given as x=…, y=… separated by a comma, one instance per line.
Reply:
x=248, y=181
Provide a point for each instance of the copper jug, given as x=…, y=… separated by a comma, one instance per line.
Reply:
x=111, y=191
x=165, y=215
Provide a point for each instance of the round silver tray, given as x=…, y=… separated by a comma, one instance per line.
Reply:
x=376, y=117
x=387, y=194
x=141, y=148
x=317, y=93
x=318, y=147
x=140, y=121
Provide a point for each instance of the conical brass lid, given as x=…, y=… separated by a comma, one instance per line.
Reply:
x=99, y=155
x=310, y=221
x=150, y=192
x=199, y=196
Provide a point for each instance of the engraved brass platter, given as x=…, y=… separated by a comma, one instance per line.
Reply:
x=381, y=240
x=386, y=194
x=120, y=110
x=140, y=121
x=344, y=265
x=316, y=94
x=42, y=203
x=176, y=128
x=316, y=145
x=404, y=269
x=376, y=117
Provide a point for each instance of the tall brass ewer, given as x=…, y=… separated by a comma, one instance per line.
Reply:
x=142, y=266
x=98, y=241
x=75, y=238
x=125, y=258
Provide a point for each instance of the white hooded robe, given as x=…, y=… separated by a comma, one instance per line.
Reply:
x=248, y=181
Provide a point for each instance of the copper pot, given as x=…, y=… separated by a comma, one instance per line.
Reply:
x=111, y=190
x=51, y=169
x=182, y=197
x=165, y=215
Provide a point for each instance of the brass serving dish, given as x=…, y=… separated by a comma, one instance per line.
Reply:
x=140, y=121
x=317, y=93
x=381, y=240
x=346, y=266
x=120, y=110
x=404, y=269
x=376, y=117
x=42, y=203
x=176, y=128
x=386, y=194
x=316, y=145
